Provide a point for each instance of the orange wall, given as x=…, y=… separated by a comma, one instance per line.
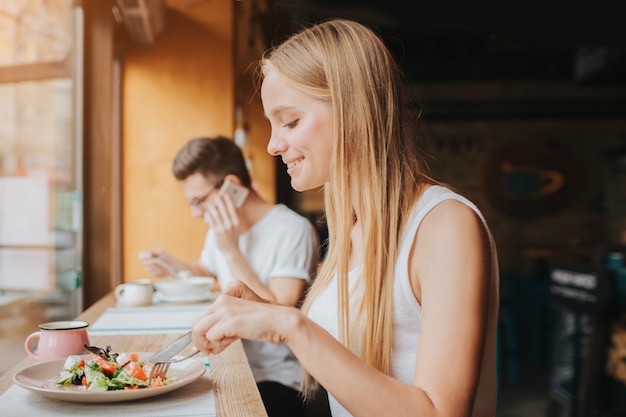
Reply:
x=177, y=88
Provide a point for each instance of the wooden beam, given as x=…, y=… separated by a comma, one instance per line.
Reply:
x=98, y=255
x=36, y=71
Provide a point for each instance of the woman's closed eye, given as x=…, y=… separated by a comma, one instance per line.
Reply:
x=291, y=124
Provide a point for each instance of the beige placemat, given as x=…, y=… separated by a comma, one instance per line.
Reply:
x=195, y=399
x=142, y=320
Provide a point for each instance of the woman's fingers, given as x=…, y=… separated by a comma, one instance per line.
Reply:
x=242, y=315
x=216, y=328
x=202, y=340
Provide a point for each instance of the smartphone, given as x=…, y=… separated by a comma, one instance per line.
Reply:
x=238, y=193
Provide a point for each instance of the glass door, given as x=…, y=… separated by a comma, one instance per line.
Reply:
x=41, y=154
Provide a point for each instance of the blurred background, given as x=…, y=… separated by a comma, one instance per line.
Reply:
x=524, y=111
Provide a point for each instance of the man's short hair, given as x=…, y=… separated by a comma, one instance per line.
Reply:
x=212, y=157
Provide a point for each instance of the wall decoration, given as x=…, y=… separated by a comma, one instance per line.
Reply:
x=528, y=179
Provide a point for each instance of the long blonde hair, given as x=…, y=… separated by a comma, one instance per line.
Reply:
x=376, y=165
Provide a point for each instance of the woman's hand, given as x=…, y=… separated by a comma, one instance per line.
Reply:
x=238, y=313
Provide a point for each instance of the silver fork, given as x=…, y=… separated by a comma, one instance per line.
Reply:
x=166, y=356
x=160, y=368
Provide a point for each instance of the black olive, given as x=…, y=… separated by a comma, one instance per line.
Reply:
x=77, y=379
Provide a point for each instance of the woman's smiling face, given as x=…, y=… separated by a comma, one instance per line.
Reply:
x=302, y=132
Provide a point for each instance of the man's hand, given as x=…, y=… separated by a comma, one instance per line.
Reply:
x=223, y=218
x=240, y=290
x=160, y=263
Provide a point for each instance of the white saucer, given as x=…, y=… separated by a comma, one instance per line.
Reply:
x=183, y=299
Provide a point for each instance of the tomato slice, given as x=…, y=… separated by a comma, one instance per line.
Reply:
x=107, y=367
x=135, y=370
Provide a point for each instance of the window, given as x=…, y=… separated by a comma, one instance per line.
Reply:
x=40, y=145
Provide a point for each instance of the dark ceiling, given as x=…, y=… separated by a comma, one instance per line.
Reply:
x=472, y=40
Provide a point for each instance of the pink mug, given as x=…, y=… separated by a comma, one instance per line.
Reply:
x=58, y=339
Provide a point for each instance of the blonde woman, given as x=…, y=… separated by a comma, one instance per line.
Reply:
x=401, y=320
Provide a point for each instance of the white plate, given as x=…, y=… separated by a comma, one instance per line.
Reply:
x=41, y=379
x=183, y=299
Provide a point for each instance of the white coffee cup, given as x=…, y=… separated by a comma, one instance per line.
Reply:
x=135, y=293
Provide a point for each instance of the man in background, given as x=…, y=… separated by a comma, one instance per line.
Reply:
x=269, y=247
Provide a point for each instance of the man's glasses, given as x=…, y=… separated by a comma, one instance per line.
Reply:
x=197, y=201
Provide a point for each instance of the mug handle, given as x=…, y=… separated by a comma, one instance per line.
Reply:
x=28, y=344
x=119, y=290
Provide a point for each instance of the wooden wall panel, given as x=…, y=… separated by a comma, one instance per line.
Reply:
x=98, y=147
x=180, y=87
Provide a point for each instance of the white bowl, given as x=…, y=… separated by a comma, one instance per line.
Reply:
x=185, y=287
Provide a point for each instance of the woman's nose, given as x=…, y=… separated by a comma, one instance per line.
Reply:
x=276, y=146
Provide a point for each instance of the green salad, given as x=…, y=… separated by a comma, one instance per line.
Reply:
x=107, y=371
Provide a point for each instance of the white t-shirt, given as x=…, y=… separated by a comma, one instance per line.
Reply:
x=407, y=312
x=281, y=244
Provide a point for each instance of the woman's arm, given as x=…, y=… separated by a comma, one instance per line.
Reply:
x=450, y=276
x=365, y=390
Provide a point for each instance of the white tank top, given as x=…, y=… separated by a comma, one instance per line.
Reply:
x=407, y=312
